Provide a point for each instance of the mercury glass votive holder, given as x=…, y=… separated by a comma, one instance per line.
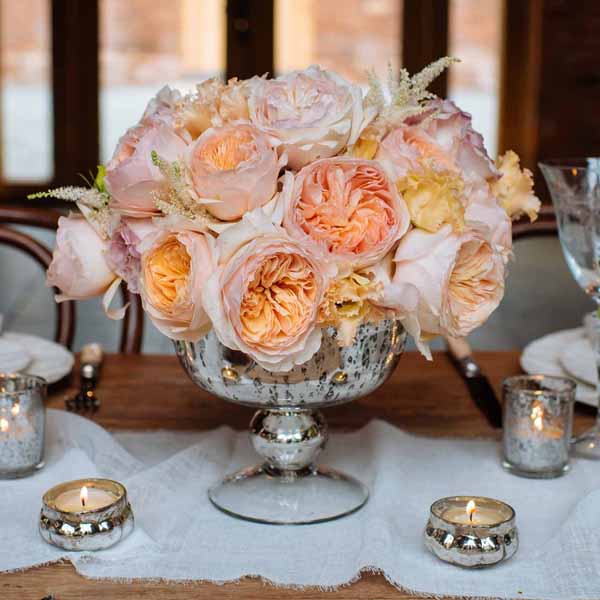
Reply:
x=22, y=424
x=471, y=531
x=538, y=420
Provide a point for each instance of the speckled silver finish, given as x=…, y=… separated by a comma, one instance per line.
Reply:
x=332, y=376
x=22, y=424
x=471, y=545
x=288, y=431
x=86, y=530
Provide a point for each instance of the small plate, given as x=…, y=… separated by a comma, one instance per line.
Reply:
x=578, y=360
x=48, y=359
x=542, y=356
x=13, y=356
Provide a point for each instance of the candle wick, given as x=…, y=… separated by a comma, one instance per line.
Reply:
x=83, y=502
x=471, y=516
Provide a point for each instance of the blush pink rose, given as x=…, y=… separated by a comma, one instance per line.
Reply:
x=175, y=266
x=123, y=254
x=445, y=283
x=234, y=168
x=263, y=299
x=314, y=113
x=442, y=135
x=79, y=268
x=349, y=207
x=485, y=214
x=131, y=177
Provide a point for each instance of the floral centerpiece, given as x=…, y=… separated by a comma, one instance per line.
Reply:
x=269, y=209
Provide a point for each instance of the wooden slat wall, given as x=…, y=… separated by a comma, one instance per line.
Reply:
x=425, y=37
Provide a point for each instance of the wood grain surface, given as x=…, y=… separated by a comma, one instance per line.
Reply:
x=152, y=392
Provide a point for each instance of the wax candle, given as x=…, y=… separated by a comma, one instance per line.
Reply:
x=86, y=514
x=471, y=531
x=85, y=498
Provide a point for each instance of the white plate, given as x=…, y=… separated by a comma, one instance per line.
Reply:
x=577, y=358
x=49, y=359
x=542, y=356
x=13, y=356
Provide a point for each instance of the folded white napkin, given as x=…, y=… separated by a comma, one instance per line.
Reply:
x=181, y=536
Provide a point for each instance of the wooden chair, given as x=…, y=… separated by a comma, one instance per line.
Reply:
x=133, y=323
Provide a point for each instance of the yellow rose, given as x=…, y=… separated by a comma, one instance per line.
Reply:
x=514, y=189
x=347, y=305
x=433, y=198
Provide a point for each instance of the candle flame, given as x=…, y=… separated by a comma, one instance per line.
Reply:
x=3, y=425
x=83, y=495
x=471, y=508
x=15, y=410
x=574, y=172
x=537, y=416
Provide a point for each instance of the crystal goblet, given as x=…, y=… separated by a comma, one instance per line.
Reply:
x=288, y=430
x=574, y=185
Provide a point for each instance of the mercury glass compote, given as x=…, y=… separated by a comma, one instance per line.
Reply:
x=288, y=430
x=575, y=188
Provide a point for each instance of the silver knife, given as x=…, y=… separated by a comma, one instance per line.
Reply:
x=480, y=388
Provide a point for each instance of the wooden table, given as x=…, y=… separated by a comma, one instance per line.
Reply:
x=150, y=392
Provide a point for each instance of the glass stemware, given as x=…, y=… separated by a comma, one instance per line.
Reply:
x=574, y=185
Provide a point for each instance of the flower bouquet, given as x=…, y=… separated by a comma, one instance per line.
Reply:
x=286, y=233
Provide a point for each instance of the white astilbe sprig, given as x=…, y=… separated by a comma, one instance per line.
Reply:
x=403, y=95
x=92, y=202
x=176, y=197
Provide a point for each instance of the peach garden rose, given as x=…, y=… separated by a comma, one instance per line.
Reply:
x=233, y=169
x=263, y=299
x=349, y=207
x=175, y=266
x=314, y=113
x=452, y=282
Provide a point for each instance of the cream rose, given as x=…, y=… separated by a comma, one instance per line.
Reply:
x=445, y=283
x=315, y=113
x=132, y=179
x=348, y=207
x=175, y=267
x=79, y=268
x=514, y=189
x=264, y=297
x=234, y=169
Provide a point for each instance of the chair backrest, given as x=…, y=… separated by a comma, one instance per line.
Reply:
x=544, y=226
x=132, y=324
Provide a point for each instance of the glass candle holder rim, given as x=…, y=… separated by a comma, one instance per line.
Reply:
x=509, y=384
x=32, y=382
x=118, y=490
x=571, y=162
x=434, y=509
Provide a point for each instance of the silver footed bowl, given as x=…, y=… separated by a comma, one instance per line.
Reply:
x=288, y=431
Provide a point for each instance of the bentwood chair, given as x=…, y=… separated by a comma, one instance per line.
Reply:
x=132, y=324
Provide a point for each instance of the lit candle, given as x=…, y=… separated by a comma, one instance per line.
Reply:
x=471, y=532
x=85, y=498
x=87, y=514
x=4, y=426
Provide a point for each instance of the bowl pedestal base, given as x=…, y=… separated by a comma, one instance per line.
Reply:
x=288, y=488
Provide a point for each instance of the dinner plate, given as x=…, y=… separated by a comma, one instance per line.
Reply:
x=13, y=356
x=577, y=358
x=48, y=359
x=542, y=356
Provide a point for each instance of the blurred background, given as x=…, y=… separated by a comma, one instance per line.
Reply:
x=76, y=73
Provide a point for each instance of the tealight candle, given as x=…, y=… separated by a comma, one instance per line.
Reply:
x=538, y=416
x=86, y=514
x=471, y=532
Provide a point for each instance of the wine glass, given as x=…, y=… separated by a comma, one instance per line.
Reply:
x=574, y=185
